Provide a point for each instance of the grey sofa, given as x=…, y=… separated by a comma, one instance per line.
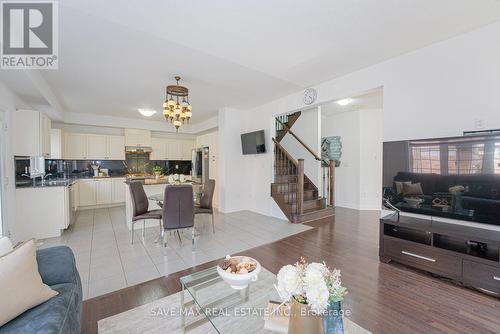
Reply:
x=62, y=313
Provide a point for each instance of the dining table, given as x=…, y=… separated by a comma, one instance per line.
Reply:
x=159, y=198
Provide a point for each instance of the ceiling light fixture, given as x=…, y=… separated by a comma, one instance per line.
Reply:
x=344, y=102
x=146, y=112
x=176, y=107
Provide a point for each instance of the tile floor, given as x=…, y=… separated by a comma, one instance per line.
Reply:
x=107, y=261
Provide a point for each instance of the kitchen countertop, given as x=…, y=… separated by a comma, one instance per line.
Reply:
x=59, y=182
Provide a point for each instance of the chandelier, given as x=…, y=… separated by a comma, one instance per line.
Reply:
x=176, y=107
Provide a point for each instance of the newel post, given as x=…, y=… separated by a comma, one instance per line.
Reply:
x=300, y=186
x=331, y=182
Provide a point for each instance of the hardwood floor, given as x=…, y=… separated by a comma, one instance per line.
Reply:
x=383, y=298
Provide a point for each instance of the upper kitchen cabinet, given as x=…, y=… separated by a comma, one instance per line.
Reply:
x=31, y=131
x=158, y=149
x=171, y=149
x=174, y=149
x=55, y=144
x=75, y=146
x=80, y=146
x=136, y=137
x=186, y=149
x=97, y=147
x=116, y=147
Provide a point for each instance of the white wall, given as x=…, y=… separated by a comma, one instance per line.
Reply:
x=439, y=90
x=347, y=126
x=370, y=166
x=307, y=128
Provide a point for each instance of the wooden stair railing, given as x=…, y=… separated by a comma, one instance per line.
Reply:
x=296, y=195
x=284, y=123
x=310, y=150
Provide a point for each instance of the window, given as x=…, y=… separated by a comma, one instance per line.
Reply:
x=465, y=159
x=426, y=159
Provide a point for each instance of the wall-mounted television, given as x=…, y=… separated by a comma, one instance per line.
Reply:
x=456, y=177
x=253, y=142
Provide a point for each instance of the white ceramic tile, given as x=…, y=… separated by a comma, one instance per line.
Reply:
x=141, y=275
x=107, y=261
x=103, y=286
x=170, y=267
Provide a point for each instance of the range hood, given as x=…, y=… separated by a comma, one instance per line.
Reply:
x=138, y=149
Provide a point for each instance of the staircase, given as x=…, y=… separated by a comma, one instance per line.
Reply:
x=296, y=195
x=284, y=123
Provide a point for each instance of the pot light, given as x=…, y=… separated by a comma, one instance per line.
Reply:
x=146, y=112
x=344, y=102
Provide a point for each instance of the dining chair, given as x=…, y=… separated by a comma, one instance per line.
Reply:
x=140, y=208
x=178, y=211
x=206, y=201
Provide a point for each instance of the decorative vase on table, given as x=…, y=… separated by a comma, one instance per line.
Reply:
x=332, y=320
x=312, y=289
x=302, y=320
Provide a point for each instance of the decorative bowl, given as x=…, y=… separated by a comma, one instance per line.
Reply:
x=413, y=201
x=240, y=281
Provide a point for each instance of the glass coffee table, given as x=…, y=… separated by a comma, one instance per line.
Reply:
x=227, y=310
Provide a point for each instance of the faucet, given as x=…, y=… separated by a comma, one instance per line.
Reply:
x=44, y=177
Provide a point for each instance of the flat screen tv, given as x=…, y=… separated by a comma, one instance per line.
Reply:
x=457, y=178
x=253, y=142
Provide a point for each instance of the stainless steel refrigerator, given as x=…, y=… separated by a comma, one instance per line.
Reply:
x=200, y=165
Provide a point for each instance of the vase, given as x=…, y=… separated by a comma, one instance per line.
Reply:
x=302, y=320
x=157, y=176
x=332, y=320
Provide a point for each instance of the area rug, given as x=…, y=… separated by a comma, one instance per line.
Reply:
x=161, y=316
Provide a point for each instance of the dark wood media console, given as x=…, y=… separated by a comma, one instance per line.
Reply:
x=470, y=255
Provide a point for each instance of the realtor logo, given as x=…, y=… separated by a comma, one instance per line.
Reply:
x=29, y=32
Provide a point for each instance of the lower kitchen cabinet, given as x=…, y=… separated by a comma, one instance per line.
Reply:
x=101, y=191
x=86, y=192
x=118, y=190
x=42, y=212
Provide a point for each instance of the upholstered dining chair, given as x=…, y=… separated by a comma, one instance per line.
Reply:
x=140, y=208
x=206, y=201
x=178, y=211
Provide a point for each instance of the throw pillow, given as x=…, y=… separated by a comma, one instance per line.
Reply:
x=5, y=245
x=399, y=186
x=21, y=286
x=412, y=189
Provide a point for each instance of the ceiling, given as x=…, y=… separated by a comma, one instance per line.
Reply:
x=117, y=56
x=370, y=100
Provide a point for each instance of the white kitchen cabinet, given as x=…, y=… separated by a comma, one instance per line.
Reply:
x=86, y=192
x=55, y=144
x=41, y=212
x=159, y=149
x=97, y=147
x=75, y=146
x=118, y=190
x=116, y=148
x=173, y=149
x=80, y=146
x=186, y=149
x=136, y=137
x=102, y=191
x=45, y=134
x=31, y=133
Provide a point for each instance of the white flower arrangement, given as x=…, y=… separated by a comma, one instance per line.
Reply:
x=313, y=284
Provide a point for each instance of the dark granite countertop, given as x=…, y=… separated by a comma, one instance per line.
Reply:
x=58, y=182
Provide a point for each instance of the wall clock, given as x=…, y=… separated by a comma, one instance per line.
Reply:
x=310, y=95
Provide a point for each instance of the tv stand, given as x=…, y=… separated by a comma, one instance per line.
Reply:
x=466, y=254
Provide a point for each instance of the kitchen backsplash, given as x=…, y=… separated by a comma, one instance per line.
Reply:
x=133, y=164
